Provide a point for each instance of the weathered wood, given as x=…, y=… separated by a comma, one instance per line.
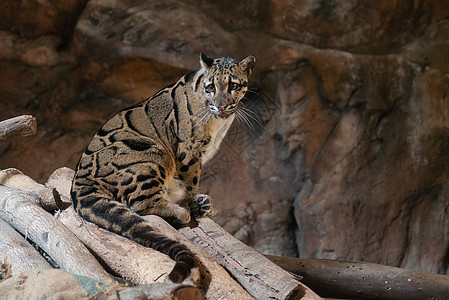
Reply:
x=54, y=284
x=220, y=284
x=258, y=275
x=362, y=280
x=17, y=179
x=17, y=252
x=61, y=180
x=21, y=210
x=165, y=290
x=49, y=198
x=22, y=125
x=133, y=262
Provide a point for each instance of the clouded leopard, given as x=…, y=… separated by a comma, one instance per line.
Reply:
x=147, y=158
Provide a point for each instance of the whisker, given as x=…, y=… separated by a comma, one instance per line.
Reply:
x=252, y=115
x=250, y=112
x=248, y=117
x=254, y=92
x=204, y=115
x=241, y=116
x=201, y=112
x=208, y=118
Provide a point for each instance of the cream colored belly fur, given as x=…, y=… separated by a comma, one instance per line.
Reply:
x=217, y=135
x=176, y=188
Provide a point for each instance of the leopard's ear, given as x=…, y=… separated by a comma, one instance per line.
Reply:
x=205, y=61
x=247, y=64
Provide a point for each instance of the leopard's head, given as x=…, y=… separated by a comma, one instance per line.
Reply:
x=225, y=83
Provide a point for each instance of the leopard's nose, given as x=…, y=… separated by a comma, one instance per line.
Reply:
x=222, y=108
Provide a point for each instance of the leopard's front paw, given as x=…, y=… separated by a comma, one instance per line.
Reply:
x=201, y=206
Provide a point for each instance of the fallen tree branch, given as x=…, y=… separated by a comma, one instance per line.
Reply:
x=17, y=252
x=362, y=280
x=21, y=210
x=259, y=276
x=22, y=125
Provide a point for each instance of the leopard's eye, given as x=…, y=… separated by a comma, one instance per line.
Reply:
x=210, y=88
x=234, y=86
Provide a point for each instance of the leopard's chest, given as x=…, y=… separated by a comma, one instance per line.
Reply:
x=218, y=130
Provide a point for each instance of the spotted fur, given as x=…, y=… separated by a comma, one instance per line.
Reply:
x=147, y=158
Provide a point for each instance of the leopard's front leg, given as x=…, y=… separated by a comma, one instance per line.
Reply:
x=189, y=171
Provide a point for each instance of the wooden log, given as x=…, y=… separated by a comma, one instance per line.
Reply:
x=49, y=198
x=166, y=290
x=21, y=211
x=258, y=275
x=22, y=125
x=17, y=252
x=362, y=280
x=220, y=284
x=17, y=179
x=135, y=263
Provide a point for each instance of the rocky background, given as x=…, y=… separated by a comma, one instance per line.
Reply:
x=349, y=157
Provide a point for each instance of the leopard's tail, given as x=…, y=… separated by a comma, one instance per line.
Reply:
x=121, y=220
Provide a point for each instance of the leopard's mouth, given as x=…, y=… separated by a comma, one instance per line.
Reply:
x=223, y=115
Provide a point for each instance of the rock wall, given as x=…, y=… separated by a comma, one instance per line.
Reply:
x=348, y=158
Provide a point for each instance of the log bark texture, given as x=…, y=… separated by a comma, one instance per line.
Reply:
x=22, y=125
x=362, y=280
x=258, y=275
x=16, y=251
x=21, y=210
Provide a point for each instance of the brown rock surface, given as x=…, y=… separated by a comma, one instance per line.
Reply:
x=351, y=158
